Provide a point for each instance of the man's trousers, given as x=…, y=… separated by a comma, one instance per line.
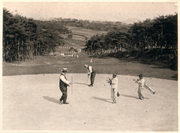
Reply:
x=64, y=93
x=140, y=92
x=92, y=77
x=114, y=94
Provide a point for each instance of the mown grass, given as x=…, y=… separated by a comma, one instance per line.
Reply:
x=106, y=65
x=75, y=42
x=86, y=32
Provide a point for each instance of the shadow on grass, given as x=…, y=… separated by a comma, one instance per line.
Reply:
x=128, y=96
x=102, y=99
x=140, y=59
x=51, y=99
x=131, y=96
x=80, y=83
x=175, y=77
x=105, y=56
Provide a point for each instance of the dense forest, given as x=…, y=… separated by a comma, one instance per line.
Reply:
x=154, y=39
x=24, y=38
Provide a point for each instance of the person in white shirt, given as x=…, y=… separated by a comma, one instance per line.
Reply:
x=114, y=87
x=141, y=83
x=91, y=74
x=63, y=83
x=91, y=61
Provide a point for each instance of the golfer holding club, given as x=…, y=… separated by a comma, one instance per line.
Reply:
x=91, y=74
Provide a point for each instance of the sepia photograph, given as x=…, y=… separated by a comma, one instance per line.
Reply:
x=95, y=66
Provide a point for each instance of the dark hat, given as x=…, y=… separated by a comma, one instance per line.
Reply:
x=115, y=74
x=140, y=75
x=64, y=70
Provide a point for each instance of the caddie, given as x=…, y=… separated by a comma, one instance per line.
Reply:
x=141, y=83
x=114, y=87
x=63, y=83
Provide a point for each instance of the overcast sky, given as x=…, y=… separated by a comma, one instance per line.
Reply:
x=110, y=11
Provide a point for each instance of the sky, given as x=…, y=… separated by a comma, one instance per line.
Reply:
x=104, y=11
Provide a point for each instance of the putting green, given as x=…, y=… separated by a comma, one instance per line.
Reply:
x=31, y=102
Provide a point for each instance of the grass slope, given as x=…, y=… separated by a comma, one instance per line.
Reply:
x=85, y=32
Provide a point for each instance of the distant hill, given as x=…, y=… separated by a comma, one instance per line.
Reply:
x=131, y=20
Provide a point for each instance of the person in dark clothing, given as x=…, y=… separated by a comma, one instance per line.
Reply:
x=63, y=83
x=91, y=74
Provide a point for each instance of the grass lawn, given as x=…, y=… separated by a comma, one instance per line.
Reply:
x=86, y=32
x=107, y=65
x=80, y=43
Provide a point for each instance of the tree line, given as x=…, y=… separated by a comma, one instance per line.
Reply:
x=24, y=38
x=159, y=33
x=93, y=25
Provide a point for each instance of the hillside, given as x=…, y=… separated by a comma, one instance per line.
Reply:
x=80, y=36
x=85, y=32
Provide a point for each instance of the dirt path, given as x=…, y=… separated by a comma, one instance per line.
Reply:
x=32, y=103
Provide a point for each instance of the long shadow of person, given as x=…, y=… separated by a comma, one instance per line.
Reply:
x=51, y=99
x=102, y=99
x=131, y=96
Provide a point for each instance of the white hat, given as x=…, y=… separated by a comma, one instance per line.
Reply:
x=64, y=70
x=85, y=65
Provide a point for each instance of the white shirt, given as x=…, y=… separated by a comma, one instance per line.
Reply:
x=114, y=83
x=141, y=82
x=89, y=69
x=63, y=78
